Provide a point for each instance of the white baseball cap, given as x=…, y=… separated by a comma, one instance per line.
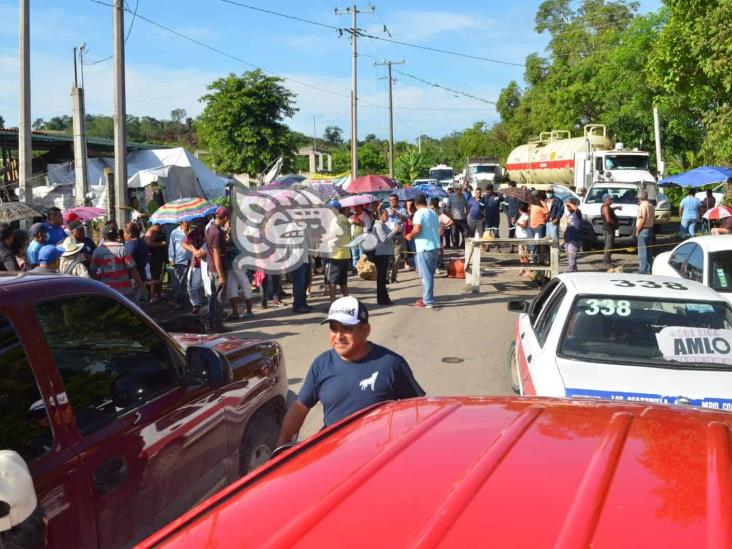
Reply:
x=348, y=311
x=16, y=489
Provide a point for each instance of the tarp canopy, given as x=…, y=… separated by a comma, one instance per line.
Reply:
x=178, y=172
x=699, y=177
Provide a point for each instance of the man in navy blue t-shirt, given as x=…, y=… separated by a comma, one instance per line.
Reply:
x=354, y=374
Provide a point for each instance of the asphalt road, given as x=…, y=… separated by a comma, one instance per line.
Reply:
x=459, y=348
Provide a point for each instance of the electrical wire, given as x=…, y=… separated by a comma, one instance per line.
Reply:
x=362, y=34
x=129, y=32
x=451, y=90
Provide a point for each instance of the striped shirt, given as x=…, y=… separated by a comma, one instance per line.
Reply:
x=110, y=264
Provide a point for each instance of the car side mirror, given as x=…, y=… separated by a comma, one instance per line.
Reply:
x=207, y=366
x=518, y=306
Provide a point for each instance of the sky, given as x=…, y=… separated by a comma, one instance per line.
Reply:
x=165, y=71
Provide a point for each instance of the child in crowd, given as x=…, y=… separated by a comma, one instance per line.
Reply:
x=522, y=232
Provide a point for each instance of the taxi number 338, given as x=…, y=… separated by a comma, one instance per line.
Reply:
x=608, y=307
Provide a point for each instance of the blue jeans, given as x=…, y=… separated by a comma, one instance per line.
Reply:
x=299, y=284
x=645, y=256
x=194, y=286
x=688, y=227
x=552, y=230
x=215, y=303
x=426, y=265
x=355, y=255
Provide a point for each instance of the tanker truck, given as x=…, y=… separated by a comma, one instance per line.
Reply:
x=558, y=158
x=594, y=167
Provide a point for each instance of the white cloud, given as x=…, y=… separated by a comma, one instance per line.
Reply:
x=418, y=26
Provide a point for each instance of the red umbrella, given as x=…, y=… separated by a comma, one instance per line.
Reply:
x=369, y=184
x=720, y=212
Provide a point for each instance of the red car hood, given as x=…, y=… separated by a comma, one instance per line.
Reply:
x=480, y=472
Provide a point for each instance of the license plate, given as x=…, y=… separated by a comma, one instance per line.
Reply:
x=617, y=232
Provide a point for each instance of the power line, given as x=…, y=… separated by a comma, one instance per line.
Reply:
x=451, y=90
x=222, y=52
x=129, y=32
x=373, y=37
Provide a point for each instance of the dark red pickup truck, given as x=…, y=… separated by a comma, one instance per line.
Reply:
x=124, y=426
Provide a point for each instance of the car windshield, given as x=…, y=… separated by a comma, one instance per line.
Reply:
x=720, y=271
x=648, y=331
x=483, y=169
x=440, y=174
x=626, y=162
x=621, y=195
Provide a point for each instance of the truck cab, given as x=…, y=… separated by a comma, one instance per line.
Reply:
x=625, y=204
x=443, y=174
x=482, y=172
x=124, y=426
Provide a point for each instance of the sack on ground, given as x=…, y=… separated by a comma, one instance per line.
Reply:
x=366, y=269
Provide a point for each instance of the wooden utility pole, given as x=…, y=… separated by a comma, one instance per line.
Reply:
x=391, y=112
x=120, y=116
x=25, y=150
x=355, y=32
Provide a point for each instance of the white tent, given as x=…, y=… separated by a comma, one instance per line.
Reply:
x=177, y=171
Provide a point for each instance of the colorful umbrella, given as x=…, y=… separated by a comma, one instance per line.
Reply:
x=369, y=184
x=358, y=200
x=83, y=214
x=720, y=212
x=183, y=209
x=432, y=191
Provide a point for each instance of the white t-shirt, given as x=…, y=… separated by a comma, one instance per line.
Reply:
x=521, y=232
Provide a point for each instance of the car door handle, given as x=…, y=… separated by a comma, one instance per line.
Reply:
x=110, y=474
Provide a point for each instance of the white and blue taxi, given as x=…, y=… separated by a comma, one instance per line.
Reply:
x=627, y=337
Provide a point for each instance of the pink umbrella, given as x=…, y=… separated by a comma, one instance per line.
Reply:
x=720, y=212
x=358, y=200
x=369, y=184
x=83, y=214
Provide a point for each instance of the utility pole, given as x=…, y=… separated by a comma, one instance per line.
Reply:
x=25, y=150
x=314, y=166
x=355, y=32
x=391, y=112
x=120, y=116
x=660, y=168
x=78, y=112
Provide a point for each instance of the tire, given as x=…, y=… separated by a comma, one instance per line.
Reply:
x=259, y=441
x=513, y=368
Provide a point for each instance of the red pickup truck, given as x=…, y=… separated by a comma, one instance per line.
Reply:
x=123, y=425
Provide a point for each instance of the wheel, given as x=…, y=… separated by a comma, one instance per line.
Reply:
x=258, y=443
x=513, y=368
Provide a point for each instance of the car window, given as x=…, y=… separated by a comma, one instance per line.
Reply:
x=540, y=300
x=720, y=271
x=695, y=264
x=109, y=358
x=679, y=256
x=626, y=330
x=546, y=321
x=24, y=426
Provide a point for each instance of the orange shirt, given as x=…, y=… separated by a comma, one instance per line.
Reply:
x=538, y=215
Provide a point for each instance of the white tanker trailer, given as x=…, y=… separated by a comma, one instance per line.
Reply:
x=581, y=161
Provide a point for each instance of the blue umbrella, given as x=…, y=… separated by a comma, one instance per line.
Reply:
x=698, y=177
x=432, y=191
x=407, y=194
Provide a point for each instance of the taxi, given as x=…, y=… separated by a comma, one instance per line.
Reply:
x=624, y=337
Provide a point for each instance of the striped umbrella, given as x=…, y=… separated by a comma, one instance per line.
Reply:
x=720, y=212
x=183, y=209
x=326, y=191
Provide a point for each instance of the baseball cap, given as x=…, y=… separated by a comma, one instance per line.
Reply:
x=348, y=311
x=49, y=253
x=16, y=490
x=334, y=203
x=605, y=197
x=222, y=212
x=38, y=228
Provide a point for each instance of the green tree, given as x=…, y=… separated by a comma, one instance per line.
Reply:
x=2, y=122
x=410, y=165
x=241, y=124
x=333, y=135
